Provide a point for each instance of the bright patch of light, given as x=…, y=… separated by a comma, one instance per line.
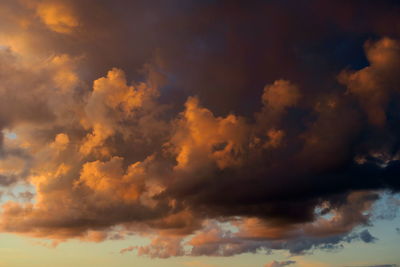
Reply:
x=11, y=135
x=19, y=193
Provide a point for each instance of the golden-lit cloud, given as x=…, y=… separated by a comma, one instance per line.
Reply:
x=108, y=178
x=111, y=102
x=57, y=16
x=280, y=95
x=201, y=138
x=123, y=125
x=372, y=85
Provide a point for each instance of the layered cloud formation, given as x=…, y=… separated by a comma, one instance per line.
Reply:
x=211, y=128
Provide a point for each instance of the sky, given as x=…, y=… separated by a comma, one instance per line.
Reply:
x=199, y=133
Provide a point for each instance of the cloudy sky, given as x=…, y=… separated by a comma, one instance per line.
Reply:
x=199, y=133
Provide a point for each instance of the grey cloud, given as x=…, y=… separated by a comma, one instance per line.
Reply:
x=156, y=117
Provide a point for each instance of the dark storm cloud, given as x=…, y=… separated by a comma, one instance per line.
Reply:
x=278, y=117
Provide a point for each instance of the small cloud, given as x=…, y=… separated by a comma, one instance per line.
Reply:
x=279, y=263
x=26, y=196
x=379, y=265
x=197, y=264
x=367, y=237
x=128, y=249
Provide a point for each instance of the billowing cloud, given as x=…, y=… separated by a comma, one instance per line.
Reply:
x=280, y=95
x=208, y=130
x=374, y=85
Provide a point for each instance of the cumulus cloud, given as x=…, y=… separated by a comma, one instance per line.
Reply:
x=373, y=85
x=202, y=137
x=207, y=139
x=280, y=95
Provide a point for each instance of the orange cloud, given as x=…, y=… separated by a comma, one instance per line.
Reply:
x=111, y=102
x=280, y=95
x=57, y=16
x=373, y=85
x=201, y=138
x=114, y=156
x=110, y=179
